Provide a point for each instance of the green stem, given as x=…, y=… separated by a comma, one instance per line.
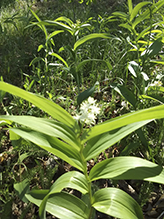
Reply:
x=85, y=171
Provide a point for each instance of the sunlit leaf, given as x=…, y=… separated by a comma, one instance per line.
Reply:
x=61, y=205
x=136, y=9
x=130, y=6
x=156, y=112
x=48, y=106
x=74, y=180
x=59, y=57
x=58, y=24
x=22, y=188
x=53, y=145
x=151, y=98
x=134, y=68
x=65, y=19
x=153, y=49
x=90, y=37
x=46, y=126
x=39, y=24
x=116, y=203
x=127, y=168
x=101, y=142
x=147, y=13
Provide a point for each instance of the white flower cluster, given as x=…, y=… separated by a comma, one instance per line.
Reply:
x=88, y=111
x=156, y=83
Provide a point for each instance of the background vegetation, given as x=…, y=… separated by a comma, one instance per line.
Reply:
x=122, y=64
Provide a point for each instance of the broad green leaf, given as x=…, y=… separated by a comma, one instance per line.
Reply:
x=48, y=106
x=36, y=195
x=59, y=57
x=52, y=145
x=125, y=92
x=156, y=112
x=61, y=205
x=116, y=203
x=101, y=142
x=73, y=179
x=46, y=126
x=21, y=189
x=136, y=9
x=153, y=49
x=130, y=6
x=85, y=94
x=90, y=37
x=126, y=168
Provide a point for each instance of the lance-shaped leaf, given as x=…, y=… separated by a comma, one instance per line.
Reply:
x=46, y=105
x=90, y=37
x=127, y=168
x=146, y=14
x=21, y=189
x=36, y=195
x=39, y=24
x=152, y=97
x=136, y=9
x=58, y=24
x=52, y=145
x=72, y=179
x=61, y=205
x=85, y=94
x=156, y=112
x=125, y=92
x=65, y=19
x=54, y=33
x=46, y=126
x=116, y=203
x=153, y=49
x=101, y=142
x=130, y=6
x=59, y=57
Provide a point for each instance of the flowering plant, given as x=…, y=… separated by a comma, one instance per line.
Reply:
x=64, y=137
x=88, y=111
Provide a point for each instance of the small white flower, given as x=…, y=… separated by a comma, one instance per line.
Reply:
x=156, y=83
x=88, y=111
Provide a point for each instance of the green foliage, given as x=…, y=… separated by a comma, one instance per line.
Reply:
x=66, y=139
x=63, y=56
